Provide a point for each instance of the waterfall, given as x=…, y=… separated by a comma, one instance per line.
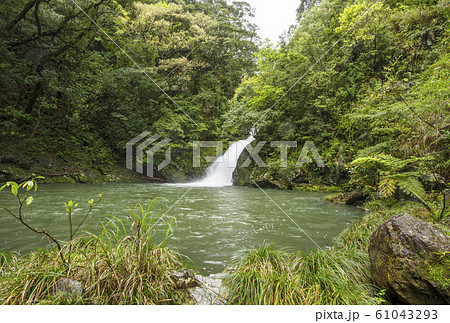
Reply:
x=220, y=173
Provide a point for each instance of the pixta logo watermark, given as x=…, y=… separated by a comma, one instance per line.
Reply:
x=149, y=152
x=146, y=150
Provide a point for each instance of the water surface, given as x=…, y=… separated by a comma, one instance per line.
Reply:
x=213, y=224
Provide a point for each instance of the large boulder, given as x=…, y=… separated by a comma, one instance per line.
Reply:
x=411, y=260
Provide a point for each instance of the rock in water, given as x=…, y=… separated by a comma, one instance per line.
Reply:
x=184, y=279
x=411, y=260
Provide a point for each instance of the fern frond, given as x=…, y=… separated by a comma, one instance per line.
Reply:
x=409, y=184
x=387, y=187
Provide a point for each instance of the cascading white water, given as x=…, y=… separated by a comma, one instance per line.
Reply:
x=220, y=173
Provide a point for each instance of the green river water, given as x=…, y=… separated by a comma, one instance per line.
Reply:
x=213, y=224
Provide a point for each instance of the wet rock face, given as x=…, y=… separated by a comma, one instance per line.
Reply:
x=69, y=287
x=264, y=177
x=202, y=290
x=210, y=290
x=411, y=260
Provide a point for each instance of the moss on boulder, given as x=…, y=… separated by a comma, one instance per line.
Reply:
x=410, y=258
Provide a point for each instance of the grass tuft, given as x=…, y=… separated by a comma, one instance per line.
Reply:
x=266, y=276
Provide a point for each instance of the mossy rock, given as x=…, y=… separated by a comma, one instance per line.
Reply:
x=410, y=258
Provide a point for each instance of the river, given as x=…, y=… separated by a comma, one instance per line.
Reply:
x=213, y=224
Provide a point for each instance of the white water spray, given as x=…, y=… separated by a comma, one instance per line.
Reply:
x=220, y=173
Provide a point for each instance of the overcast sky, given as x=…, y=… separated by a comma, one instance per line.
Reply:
x=274, y=17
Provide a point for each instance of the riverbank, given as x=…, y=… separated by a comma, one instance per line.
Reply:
x=336, y=275
x=73, y=174
x=19, y=168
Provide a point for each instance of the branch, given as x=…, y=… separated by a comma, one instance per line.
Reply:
x=7, y=210
x=444, y=196
x=44, y=233
x=36, y=16
x=70, y=172
x=20, y=218
x=22, y=14
x=87, y=214
x=52, y=32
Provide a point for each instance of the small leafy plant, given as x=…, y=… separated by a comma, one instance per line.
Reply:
x=22, y=193
x=381, y=297
x=26, y=200
x=70, y=207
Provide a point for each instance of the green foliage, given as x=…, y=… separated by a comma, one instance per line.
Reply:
x=70, y=207
x=358, y=78
x=381, y=297
x=387, y=187
x=5, y=260
x=316, y=188
x=263, y=277
x=437, y=269
x=409, y=185
x=339, y=275
x=385, y=174
x=357, y=236
x=27, y=279
x=143, y=224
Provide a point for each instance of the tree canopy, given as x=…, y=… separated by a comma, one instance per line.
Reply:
x=81, y=78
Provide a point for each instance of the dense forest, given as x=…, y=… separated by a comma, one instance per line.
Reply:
x=367, y=81
x=358, y=78
x=359, y=82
